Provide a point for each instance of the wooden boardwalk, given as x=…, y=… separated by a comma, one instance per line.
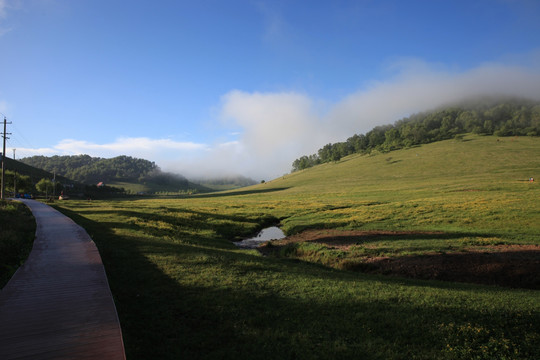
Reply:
x=58, y=305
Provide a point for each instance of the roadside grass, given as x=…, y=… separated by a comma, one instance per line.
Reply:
x=183, y=289
x=17, y=232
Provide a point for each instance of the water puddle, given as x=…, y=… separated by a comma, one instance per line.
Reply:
x=271, y=233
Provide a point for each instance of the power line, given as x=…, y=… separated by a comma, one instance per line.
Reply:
x=25, y=143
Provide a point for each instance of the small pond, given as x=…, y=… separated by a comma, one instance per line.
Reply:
x=271, y=233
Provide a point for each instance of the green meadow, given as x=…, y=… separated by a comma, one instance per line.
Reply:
x=183, y=290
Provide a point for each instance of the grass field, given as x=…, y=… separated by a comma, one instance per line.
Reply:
x=184, y=291
x=155, y=188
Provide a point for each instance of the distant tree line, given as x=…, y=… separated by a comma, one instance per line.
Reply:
x=92, y=170
x=509, y=117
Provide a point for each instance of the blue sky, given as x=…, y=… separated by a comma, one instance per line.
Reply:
x=241, y=86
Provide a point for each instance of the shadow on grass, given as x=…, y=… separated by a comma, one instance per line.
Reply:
x=187, y=301
x=237, y=193
x=211, y=194
x=515, y=269
x=470, y=262
x=229, y=227
x=364, y=237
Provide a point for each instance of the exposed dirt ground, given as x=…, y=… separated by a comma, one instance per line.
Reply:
x=504, y=265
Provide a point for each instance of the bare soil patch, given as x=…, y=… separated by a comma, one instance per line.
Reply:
x=516, y=266
x=511, y=266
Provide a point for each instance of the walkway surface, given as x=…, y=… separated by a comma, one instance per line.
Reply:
x=58, y=305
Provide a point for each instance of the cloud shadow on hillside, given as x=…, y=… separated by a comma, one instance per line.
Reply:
x=238, y=193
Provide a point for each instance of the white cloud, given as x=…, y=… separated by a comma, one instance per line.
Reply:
x=280, y=127
x=274, y=122
x=151, y=149
x=25, y=152
x=276, y=128
x=126, y=145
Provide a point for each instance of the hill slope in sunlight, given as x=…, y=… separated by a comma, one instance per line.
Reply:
x=479, y=182
x=476, y=161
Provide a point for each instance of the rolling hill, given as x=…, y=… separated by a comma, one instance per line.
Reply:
x=131, y=174
x=485, y=115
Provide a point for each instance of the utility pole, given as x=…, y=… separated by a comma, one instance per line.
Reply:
x=14, y=177
x=4, y=135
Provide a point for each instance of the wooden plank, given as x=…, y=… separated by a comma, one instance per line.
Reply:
x=58, y=305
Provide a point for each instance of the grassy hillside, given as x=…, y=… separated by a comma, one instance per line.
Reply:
x=487, y=116
x=479, y=183
x=183, y=290
x=35, y=173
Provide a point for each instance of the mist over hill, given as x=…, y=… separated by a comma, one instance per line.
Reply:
x=487, y=116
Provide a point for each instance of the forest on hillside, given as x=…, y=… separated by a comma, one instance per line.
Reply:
x=92, y=170
x=508, y=117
